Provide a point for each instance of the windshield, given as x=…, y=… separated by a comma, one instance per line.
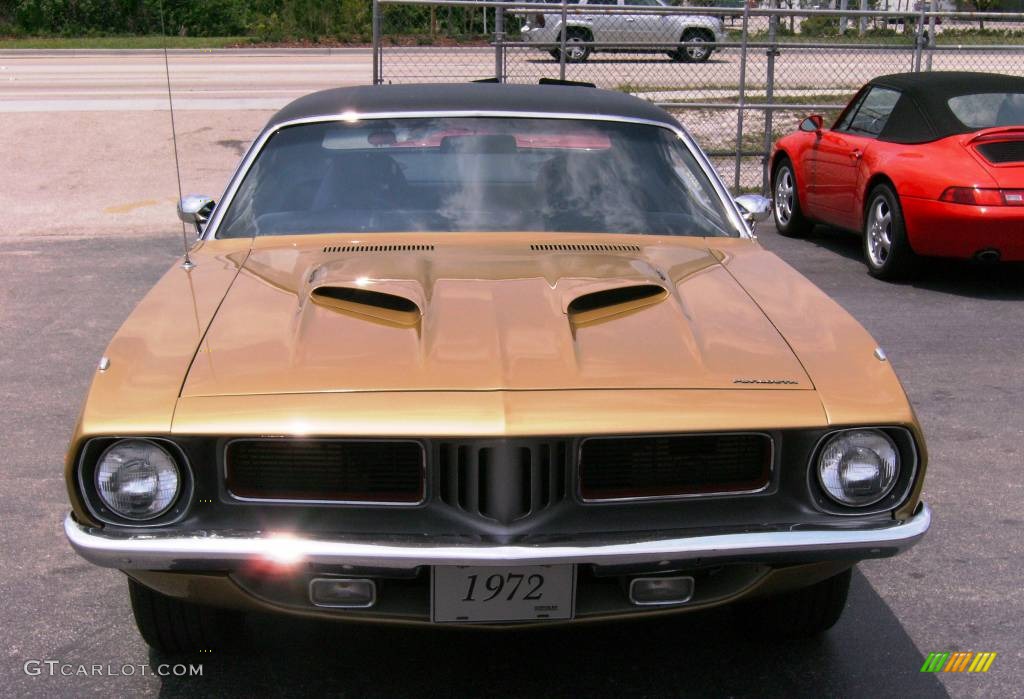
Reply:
x=476, y=174
x=988, y=109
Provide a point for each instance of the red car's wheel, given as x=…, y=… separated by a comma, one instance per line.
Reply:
x=789, y=219
x=886, y=251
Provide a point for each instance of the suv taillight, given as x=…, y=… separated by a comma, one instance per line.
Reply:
x=538, y=21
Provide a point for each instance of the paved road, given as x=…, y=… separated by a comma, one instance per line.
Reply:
x=88, y=226
x=86, y=142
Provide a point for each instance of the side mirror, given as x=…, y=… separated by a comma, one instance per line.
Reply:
x=754, y=208
x=812, y=124
x=196, y=209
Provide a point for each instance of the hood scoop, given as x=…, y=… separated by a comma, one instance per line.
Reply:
x=378, y=306
x=599, y=306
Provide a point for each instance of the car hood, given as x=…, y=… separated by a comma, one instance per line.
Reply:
x=489, y=312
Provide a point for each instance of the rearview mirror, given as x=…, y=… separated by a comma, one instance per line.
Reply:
x=812, y=124
x=754, y=208
x=196, y=209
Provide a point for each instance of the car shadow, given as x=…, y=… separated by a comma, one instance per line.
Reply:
x=868, y=653
x=994, y=281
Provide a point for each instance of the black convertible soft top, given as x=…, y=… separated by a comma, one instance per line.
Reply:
x=468, y=97
x=923, y=114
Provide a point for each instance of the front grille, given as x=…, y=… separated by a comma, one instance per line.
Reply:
x=329, y=470
x=502, y=480
x=1002, y=152
x=667, y=466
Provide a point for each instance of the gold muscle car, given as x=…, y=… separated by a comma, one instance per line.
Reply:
x=486, y=355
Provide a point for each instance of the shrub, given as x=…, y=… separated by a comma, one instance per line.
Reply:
x=820, y=26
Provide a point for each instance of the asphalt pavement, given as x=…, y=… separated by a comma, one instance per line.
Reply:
x=953, y=336
x=88, y=226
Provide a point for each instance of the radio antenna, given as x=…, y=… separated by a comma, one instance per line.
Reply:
x=187, y=264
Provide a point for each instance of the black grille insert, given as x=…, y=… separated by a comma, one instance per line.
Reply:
x=502, y=480
x=330, y=470
x=667, y=466
x=1003, y=152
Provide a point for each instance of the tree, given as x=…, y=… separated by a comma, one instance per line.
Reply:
x=978, y=6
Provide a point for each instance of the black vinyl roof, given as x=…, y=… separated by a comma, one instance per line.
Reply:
x=540, y=99
x=927, y=116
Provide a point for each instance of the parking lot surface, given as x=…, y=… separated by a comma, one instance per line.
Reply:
x=88, y=227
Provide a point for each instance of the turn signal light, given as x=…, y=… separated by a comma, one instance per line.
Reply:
x=976, y=196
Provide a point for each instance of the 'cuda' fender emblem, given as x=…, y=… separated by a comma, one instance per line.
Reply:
x=788, y=382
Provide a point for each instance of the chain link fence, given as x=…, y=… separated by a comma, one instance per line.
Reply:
x=738, y=74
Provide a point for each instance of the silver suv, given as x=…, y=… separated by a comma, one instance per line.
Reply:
x=698, y=33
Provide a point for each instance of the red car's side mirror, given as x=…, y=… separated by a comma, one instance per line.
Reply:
x=812, y=124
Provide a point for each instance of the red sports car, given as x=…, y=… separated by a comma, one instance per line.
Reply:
x=919, y=163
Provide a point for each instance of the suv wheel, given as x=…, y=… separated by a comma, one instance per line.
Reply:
x=172, y=626
x=575, y=51
x=695, y=53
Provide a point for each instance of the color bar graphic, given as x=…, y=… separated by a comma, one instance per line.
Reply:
x=961, y=661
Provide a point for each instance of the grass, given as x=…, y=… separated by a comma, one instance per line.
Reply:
x=125, y=42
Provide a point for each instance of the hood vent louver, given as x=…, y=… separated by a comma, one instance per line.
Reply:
x=389, y=309
x=378, y=248
x=599, y=306
x=583, y=247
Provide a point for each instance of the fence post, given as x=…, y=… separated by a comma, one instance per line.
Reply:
x=375, y=53
x=769, y=114
x=931, y=40
x=742, y=95
x=561, y=51
x=499, y=44
x=919, y=38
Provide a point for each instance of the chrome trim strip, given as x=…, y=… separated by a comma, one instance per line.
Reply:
x=772, y=470
x=231, y=550
x=242, y=170
x=424, y=480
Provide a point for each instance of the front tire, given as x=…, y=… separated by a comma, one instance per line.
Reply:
x=696, y=53
x=789, y=218
x=172, y=626
x=802, y=613
x=574, y=52
x=887, y=252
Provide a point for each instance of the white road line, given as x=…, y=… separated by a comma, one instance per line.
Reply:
x=141, y=105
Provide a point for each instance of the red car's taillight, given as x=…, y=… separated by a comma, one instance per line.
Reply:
x=975, y=196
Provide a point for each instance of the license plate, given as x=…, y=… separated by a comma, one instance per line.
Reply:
x=488, y=593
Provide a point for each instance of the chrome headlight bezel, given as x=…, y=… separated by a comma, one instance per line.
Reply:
x=91, y=456
x=907, y=454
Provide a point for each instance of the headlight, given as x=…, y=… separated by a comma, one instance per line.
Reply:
x=137, y=479
x=858, y=467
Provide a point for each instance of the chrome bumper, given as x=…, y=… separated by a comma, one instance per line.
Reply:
x=232, y=550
